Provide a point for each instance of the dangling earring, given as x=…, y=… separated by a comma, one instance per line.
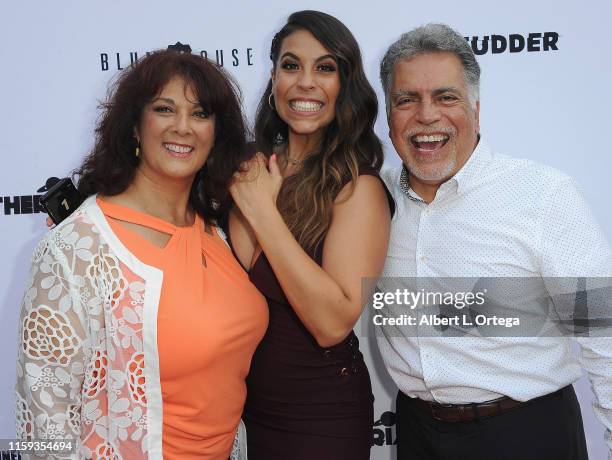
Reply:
x=270, y=102
x=137, y=151
x=278, y=140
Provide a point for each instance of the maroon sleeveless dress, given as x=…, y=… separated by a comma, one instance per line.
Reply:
x=305, y=402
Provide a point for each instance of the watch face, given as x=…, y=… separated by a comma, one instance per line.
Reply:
x=61, y=200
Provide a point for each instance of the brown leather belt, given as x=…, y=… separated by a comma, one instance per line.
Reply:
x=467, y=412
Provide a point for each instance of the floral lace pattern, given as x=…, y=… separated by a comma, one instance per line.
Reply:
x=81, y=362
x=136, y=380
x=47, y=335
x=239, y=449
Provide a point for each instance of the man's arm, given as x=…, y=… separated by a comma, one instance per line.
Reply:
x=575, y=253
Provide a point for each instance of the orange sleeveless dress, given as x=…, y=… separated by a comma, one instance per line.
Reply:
x=210, y=320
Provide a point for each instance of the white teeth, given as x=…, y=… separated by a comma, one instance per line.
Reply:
x=178, y=148
x=305, y=106
x=431, y=138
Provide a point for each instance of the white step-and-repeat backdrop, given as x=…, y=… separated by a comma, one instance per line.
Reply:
x=545, y=95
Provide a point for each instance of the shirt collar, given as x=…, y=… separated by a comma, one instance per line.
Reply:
x=405, y=187
x=475, y=168
x=470, y=174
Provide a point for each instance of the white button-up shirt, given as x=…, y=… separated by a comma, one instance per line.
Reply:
x=497, y=217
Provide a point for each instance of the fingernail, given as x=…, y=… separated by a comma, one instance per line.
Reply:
x=273, y=157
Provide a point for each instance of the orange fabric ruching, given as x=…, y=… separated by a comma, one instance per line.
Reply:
x=210, y=320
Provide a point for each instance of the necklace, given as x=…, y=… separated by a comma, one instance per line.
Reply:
x=293, y=161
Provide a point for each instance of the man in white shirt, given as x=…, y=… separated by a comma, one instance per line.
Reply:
x=462, y=211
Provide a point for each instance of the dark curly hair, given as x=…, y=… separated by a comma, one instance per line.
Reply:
x=111, y=165
x=348, y=144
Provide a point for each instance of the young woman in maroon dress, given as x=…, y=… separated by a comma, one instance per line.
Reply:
x=312, y=219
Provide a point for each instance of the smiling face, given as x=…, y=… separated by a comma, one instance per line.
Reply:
x=305, y=84
x=432, y=124
x=175, y=134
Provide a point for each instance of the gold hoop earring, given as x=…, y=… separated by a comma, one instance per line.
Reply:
x=270, y=102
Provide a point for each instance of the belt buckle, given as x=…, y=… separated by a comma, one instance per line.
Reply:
x=434, y=413
x=434, y=410
x=447, y=405
x=460, y=415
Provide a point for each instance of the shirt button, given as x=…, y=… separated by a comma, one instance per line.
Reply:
x=344, y=372
x=327, y=353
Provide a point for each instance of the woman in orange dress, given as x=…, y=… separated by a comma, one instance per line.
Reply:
x=138, y=325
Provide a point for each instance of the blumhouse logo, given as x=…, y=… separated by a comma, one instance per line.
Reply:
x=234, y=57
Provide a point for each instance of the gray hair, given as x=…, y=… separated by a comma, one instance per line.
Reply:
x=432, y=38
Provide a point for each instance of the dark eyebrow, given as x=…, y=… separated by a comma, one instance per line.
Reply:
x=290, y=54
x=167, y=100
x=320, y=58
x=170, y=101
x=326, y=56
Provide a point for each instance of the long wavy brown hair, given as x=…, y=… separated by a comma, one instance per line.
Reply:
x=348, y=144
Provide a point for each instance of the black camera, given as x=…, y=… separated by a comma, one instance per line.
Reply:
x=61, y=198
